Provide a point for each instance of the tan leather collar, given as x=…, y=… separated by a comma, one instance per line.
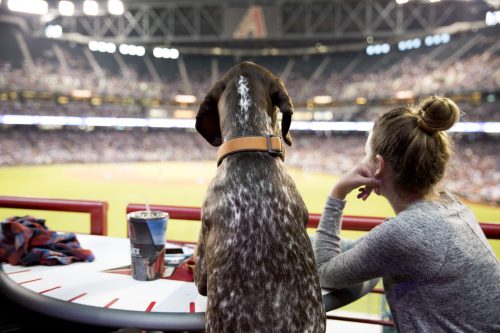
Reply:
x=269, y=143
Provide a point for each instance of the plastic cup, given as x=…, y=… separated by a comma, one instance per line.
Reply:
x=147, y=233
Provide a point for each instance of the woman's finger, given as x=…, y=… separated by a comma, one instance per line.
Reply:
x=364, y=192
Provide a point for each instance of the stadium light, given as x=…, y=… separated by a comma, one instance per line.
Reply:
x=90, y=7
x=66, y=8
x=93, y=46
x=158, y=52
x=378, y=49
x=53, y=31
x=162, y=52
x=115, y=7
x=174, y=53
x=185, y=99
x=102, y=47
x=405, y=94
x=322, y=99
x=184, y=114
x=400, y=2
x=409, y=44
x=38, y=7
x=110, y=48
x=133, y=50
x=492, y=18
x=81, y=93
x=437, y=39
x=361, y=100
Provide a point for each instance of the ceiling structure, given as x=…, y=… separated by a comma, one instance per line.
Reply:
x=306, y=26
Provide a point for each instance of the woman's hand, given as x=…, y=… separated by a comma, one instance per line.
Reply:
x=360, y=175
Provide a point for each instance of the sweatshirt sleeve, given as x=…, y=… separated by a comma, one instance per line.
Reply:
x=382, y=251
x=327, y=243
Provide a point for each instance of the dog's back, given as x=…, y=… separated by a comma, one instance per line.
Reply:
x=257, y=258
x=262, y=274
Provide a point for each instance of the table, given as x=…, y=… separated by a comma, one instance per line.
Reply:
x=85, y=293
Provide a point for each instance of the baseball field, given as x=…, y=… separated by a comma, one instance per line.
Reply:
x=170, y=183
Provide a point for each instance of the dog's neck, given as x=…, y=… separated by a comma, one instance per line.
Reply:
x=238, y=128
x=246, y=111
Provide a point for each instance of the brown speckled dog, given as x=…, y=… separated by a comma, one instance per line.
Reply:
x=254, y=259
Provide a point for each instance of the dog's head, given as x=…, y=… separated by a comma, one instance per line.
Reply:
x=207, y=119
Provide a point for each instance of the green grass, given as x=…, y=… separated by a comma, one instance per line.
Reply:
x=172, y=183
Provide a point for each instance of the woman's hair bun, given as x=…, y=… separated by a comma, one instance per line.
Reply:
x=437, y=114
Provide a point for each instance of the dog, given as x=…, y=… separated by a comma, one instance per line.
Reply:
x=254, y=259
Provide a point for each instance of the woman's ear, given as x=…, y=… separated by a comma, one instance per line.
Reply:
x=380, y=167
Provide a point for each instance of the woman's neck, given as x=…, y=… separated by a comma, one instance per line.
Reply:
x=400, y=201
x=400, y=204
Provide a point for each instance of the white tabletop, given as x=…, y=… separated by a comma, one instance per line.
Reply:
x=103, y=298
x=87, y=283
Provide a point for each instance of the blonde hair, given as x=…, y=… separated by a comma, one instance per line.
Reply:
x=412, y=140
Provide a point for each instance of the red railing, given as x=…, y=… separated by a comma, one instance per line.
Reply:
x=98, y=210
x=349, y=222
x=359, y=223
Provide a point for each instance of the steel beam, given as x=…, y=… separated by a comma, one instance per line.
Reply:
x=194, y=22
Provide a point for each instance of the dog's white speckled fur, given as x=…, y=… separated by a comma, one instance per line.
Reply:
x=245, y=100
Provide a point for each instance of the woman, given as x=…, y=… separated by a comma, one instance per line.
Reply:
x=439, y=272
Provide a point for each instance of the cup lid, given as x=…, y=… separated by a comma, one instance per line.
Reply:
x=147, y=215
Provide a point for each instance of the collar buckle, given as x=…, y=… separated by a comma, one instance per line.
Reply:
x=269, y=144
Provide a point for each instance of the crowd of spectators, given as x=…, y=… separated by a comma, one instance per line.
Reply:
x=475, y=172
x=474, y=175
x=483, y=112
x=421, y=76
x=471, y=112
x=72, y=109
x=47, y=75
x=31, y=146
x=371, y=78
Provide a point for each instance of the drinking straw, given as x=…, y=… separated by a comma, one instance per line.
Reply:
x=148, y=209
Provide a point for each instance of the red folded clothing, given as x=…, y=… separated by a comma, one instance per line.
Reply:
x=27, y=241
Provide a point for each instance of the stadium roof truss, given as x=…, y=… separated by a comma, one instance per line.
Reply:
x=281, y=22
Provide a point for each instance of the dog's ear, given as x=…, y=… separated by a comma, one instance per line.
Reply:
x=207, y=119
x=282, y=100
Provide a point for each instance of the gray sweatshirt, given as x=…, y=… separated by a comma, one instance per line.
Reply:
x=440, y=274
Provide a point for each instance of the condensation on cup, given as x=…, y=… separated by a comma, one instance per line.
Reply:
x=147, y=233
